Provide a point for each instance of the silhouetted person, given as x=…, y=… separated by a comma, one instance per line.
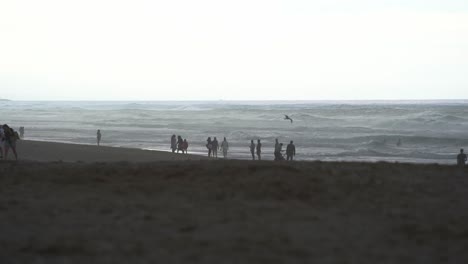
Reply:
x=180, y=144
x=279, y=156
x=398, y=143
x=209, y=146
x=276, y=153
x=224, y=147
x=461, y=159
x=252, y=149
x=9, y=140
x=21, y=130
x=290, y=151
x=259, y=150
x=215, y=147
x=173, y=143
x=185, y=146
x=286, y=117
x=98, y=137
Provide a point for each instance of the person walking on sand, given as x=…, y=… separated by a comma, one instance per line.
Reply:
x=224, y=147
x=9, y=141
x=252, y=149
x=185, y=146
x=290, y=151
x=461, y=159
x=259, y=150
x=98, y=137
x=173, y=143
x=215, y=147
x=209, y=146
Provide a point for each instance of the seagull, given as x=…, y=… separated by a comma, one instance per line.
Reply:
x=286, y=117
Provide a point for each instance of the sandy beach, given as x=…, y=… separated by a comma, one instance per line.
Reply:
x=50, y=151
x=133, y=206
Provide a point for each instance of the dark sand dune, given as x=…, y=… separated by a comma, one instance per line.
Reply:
x=232, y=212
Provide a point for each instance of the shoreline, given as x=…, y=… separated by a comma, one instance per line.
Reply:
x=45, y=151
x=41, y=150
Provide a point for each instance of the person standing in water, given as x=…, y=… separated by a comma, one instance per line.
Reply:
x=224, y=147
x=461, y=159
x=98, y=137
x=259, y=150
x=252, y=149
x=215, y=147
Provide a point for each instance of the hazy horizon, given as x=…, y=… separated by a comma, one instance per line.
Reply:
x=238, y=51
x=265, y=102
x=461, y=100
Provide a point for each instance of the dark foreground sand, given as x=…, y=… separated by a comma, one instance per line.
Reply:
x=232, y=212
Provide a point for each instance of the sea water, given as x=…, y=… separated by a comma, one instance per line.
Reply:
x=430, y=131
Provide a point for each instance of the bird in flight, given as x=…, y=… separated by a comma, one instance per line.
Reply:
x=286, y=117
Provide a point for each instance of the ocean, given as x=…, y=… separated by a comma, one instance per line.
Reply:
x=430, y=131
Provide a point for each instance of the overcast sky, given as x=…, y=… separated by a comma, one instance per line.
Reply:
x=233, y=50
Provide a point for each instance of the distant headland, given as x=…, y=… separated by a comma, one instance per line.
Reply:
x=4, y=100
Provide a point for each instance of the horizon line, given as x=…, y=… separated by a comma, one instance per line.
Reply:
x=229, y=100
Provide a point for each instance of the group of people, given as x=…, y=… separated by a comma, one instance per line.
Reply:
x=290, y=150
x=8, y=138
x=213, y=146
x=179, y=144
x=255, y=149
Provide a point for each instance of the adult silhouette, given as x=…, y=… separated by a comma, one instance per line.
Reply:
x=259, y=150
x=290, y=151
x=252, y=149
x=98, y=137
x=461, y=159
x=224, y=147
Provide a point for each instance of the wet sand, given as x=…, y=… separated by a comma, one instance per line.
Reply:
x=215, y=211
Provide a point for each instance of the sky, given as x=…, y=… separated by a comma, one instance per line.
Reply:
x=233, y=50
